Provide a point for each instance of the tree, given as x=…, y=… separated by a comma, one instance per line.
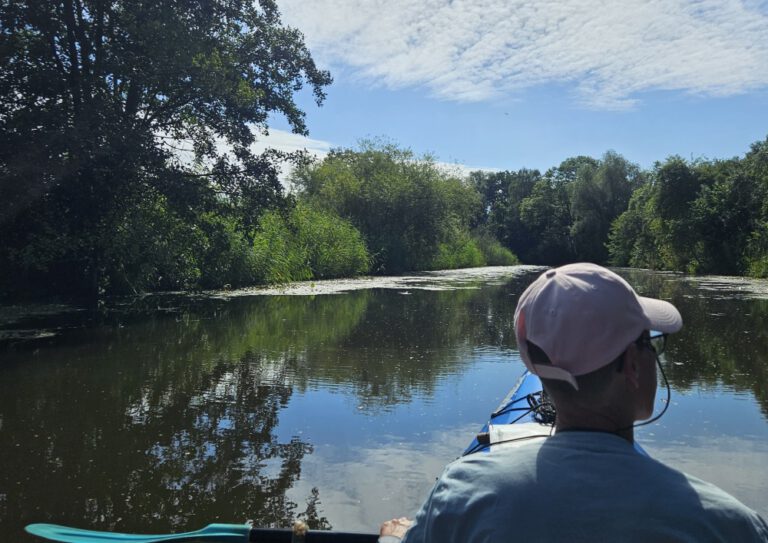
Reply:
x=568, y=170
x=545, y=212
x=502, y=194
x=600, y=192
x=96, y=96
x=678, y=186
x=724, y=215
x=632, y=240
x=405, y=206
x=756, y=167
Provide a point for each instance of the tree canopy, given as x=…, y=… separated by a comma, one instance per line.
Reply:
x=109, y=108
x=699, y=217
x=563, y=215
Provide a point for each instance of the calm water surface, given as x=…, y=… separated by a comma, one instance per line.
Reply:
x=171, y=412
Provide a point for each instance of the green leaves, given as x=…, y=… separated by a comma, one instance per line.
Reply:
x=96, y=99
x=698, y=217
x=307, y=244
x=562, y=216
x=410, y=213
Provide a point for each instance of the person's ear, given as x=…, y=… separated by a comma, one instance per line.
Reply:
x=631, y=367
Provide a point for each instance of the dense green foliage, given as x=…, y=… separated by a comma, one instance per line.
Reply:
x=307, y=244
x=412, y=214
x=126, y=162
x=97, y=96
x=699, y=217
x=561, y=216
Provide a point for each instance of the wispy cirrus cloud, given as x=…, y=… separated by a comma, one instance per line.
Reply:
x=608, y=52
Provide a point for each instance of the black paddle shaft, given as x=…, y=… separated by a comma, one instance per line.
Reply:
x=284, y=535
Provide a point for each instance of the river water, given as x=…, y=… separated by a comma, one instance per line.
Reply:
x=339, y=402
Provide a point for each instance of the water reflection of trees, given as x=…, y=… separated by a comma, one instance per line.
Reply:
x=166, y=424
x=406, y=344
x=169, y=421
x=724, y=340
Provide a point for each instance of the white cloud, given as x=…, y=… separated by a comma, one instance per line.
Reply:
x=288, y=141
x=609, y=52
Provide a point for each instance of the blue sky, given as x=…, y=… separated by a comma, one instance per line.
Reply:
x=513, y=84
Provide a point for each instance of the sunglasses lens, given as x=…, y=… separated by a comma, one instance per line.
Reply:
x=658, y=343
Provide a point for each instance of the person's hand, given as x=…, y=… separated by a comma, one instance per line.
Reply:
x=395, y=527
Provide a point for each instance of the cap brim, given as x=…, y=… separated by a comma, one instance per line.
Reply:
x=663, y=316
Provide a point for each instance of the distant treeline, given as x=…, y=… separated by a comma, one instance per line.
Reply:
x=700, y=216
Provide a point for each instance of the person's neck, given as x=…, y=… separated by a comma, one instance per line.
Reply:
x=595, y=422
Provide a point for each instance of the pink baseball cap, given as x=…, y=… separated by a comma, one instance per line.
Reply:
x=583, y=316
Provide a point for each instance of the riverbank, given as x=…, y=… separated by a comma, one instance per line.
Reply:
x=39, y=322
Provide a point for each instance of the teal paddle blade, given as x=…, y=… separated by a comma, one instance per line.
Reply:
x=224, y=533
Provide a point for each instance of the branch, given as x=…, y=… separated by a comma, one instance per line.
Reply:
x=98, y=39
x=74, y=68
x=211, y=174
x=132, y=101
x=59, y=64
x=172, y=103
x=85, y=44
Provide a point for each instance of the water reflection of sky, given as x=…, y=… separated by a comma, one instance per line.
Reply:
x=376, y=466
x=718, y=436
x=371, y=467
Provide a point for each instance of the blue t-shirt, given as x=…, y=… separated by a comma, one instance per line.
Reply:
x=577, y=486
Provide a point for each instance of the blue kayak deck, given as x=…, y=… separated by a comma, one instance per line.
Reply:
x=517, y=409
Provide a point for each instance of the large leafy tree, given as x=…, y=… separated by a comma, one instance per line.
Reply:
x=756, y=167
x=502, y=194
x=545, y=212
x=632, y=240
x=723, y=216
x=678, y=184
x=107, y=106
x=600, y=192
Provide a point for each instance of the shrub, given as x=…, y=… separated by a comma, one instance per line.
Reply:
x=307, y=244
x=460, y=252
x=494, y=253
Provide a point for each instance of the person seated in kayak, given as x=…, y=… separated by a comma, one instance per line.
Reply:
x=586, y=333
